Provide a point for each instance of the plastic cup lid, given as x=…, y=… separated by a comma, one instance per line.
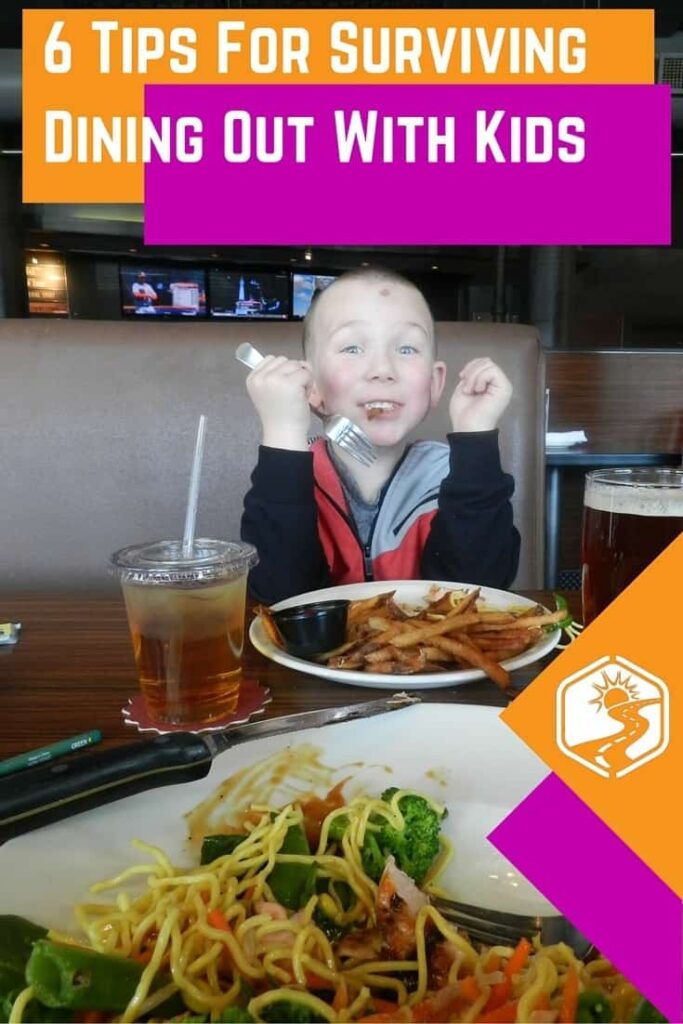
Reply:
x=162, y=562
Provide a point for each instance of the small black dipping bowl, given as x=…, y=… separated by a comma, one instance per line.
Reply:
x=311, y=629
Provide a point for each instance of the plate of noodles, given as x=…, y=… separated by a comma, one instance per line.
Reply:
x=417, y=634
x=293, y=884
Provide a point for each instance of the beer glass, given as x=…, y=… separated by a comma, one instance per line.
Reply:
x=629, y=517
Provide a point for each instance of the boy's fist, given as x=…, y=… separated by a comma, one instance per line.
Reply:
x=480, y=397
x=279, y=389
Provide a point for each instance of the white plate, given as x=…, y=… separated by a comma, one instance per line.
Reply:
x=410, y=592
x=461, y=755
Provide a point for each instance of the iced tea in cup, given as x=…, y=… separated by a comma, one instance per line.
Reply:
x=186, y=618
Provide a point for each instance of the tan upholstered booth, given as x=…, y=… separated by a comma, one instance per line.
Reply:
x=98, y=420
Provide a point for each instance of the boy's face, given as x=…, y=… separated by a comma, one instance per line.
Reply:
x=372, y=355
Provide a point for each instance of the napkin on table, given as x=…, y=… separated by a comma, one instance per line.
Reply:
x=565, y=438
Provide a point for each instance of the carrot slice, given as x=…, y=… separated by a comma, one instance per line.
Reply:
x=505, y=1014
x=217, y=919
x=341, y=997
x=570, y=997
x=384, y=1005
x=468, y=989
x=518, y=958
x=500, y=993
x=315, y=981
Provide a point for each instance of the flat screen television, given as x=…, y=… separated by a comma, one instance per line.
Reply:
x=248, y=295
x=153, y=290
x=304, y=287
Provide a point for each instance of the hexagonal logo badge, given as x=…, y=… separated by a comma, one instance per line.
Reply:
x=612, y=717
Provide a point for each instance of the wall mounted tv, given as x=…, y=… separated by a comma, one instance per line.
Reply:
x=248, y=295
x=304, y=287
x=154, y=291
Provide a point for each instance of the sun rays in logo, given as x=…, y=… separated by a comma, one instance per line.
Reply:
x=615, y=691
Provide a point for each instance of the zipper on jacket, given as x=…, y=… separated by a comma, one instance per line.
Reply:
x=366, y=549
x=367, y=564
x=350, y=522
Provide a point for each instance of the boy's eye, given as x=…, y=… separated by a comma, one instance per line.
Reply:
x=407, y=350
x=353, y=349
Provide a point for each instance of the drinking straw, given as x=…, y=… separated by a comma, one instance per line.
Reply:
x=193, y=493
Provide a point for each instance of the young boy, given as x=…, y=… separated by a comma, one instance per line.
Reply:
x=429, y=510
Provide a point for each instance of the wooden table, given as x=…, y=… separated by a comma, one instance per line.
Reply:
x=73, y=670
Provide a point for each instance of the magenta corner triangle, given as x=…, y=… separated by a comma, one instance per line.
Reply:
x=563, y=848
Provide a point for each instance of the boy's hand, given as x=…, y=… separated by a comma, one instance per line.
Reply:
x=279, y=388
x=480, y=397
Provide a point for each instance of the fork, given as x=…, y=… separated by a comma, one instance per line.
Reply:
x=500, y=928
x=340, y=429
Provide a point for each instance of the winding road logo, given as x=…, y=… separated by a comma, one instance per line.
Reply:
x=612, y=717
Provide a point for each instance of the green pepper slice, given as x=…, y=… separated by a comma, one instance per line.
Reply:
x=81, y=979
x=17, y=936
x=593, y=1008
x=293, y=884
x=217, y=846
x=561, y=605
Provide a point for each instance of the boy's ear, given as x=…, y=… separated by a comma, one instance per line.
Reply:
x=315, y=399
x=438, y=383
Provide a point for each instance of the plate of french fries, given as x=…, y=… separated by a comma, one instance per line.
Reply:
x=418, y=634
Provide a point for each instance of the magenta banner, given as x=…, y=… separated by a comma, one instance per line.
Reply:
x=410, y=165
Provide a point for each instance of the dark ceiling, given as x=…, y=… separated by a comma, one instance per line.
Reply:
x=668, y=20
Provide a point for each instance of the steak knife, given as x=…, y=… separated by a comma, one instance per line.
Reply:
x=51, y=792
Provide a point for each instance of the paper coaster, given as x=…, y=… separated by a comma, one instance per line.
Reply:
x=252, y=701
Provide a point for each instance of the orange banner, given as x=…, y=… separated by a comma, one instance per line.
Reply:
x=607, y=716
x=84, y=71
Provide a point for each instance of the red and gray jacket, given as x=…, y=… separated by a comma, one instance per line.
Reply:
x=444, y=514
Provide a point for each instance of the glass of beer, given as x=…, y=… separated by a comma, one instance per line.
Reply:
x=186, y=619
x=629, y=517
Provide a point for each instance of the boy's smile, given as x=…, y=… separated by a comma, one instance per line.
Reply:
x=372, y=356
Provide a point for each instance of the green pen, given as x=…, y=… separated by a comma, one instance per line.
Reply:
x=49, y=753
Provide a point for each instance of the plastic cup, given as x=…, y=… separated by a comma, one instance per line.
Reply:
x=186, y=618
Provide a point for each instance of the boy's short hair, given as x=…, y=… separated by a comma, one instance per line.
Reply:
x=369, y=273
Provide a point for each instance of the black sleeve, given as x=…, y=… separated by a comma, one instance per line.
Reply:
x=280, y=519
x=472, y=538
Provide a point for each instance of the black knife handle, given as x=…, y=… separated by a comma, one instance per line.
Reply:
x=47, y=793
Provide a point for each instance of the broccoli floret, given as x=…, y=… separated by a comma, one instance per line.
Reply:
x=414, y=847
x=338, y=827
x=235, y=1015
x=372, y=856
x=646, y=1013
x=286, y=1011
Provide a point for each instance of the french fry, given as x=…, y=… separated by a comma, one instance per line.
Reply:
x=347, y=661
x=389, y=635
x=383, y=654
x=397, y=668
x=527, y=623
x=358, y=609
x=453, y=621
x=394, y=611
x=494, y=647
x=466, y=602
x=473, y=656
x=271, y=630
